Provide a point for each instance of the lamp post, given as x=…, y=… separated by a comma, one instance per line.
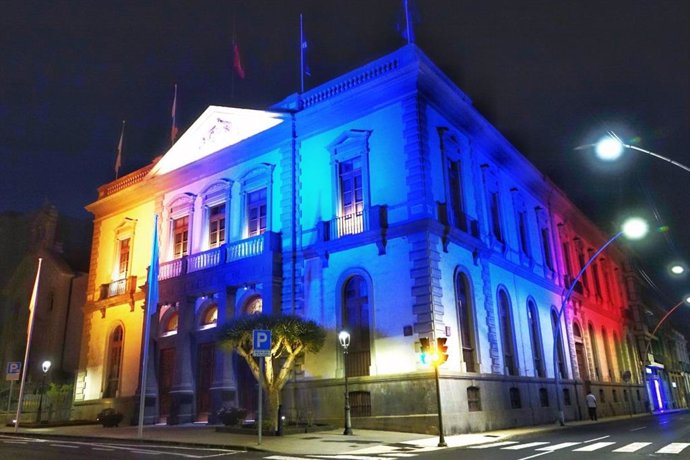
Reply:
x=45, y=367
x=344, y=338
x=611, y=147
x=634, y=229
x=645, y=357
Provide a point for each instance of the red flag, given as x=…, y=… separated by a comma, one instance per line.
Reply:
x=118, y=158
x=236, y=61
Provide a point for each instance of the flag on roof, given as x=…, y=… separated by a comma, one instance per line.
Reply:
x=237, y=60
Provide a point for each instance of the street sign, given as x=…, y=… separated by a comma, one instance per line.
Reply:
x=262, y=342
x=14, y=370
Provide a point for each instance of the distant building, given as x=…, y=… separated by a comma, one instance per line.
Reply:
x=61, y=294
x=380, y=202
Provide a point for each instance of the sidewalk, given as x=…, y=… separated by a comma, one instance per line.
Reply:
x=331, y=442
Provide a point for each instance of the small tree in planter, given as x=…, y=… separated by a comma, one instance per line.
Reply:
x=231, y=416
x=109, y=418
x=291, y=336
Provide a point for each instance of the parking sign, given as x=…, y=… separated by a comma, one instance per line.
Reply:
x=262, y=342
x=14, y=370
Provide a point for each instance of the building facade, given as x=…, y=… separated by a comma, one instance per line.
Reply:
x=380, y=202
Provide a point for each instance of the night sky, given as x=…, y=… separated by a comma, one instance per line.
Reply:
x=550, y=75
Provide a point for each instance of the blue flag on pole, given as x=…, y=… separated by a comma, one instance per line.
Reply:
x=152, y=282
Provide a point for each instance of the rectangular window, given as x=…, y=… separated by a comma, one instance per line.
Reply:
x=546, y=246
x=496, y=217
x=455, y=198
x=180, y=237
x=216, y=226
x=123, y=263
x=515, y=401
x=351, y=197
x=595, y=275
x=566, y=397
x=256, y=212
x=523, y=231
x=474, y=401
x=543, y=397
x=567, y=261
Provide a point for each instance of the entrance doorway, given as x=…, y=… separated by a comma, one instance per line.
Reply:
x=205, y=363
x=165, y=382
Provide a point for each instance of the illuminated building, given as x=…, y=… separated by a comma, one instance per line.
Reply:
x=380, y=202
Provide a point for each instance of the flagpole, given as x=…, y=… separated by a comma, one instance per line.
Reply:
x=149, y=308
x=30, y=328
x=407, y=22
x=173, y=129
x=301, y=54
x=118, y=159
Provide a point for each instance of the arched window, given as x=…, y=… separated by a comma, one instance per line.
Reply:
x=356, y=322
x=465, y=311
x=114, y=363
x=507, y=338
x=595, y=351
x=254, y=306
x=535, y=336
x=559, y=348
x=609, y=357
x=170, y=325
x=209, y=317
x=580, y=352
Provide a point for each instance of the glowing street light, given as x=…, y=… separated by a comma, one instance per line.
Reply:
x=633, y=228
x=45, y=367
x=677, y=269
x=611, y=147
x=344, y=338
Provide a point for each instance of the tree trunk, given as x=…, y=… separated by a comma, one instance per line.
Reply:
x=273, y=402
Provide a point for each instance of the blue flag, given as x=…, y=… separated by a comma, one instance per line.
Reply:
x=152, y=282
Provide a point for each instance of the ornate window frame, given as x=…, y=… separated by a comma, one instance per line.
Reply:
x=349, y=145
x=180, y=206
x=215, y=194
x=260, y=176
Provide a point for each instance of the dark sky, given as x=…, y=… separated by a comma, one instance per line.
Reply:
x=550, y=75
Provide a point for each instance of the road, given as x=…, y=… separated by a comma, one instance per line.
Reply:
x=32, y=448
x=661, y=436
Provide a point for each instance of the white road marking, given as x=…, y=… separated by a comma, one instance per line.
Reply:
x=638, y=429
x=524, y=446
x=7, y=441
x=597, y=439
x=493, y=444
x=398, y=454
x=534, y=456
x=673, y=448
x=562, y=445
x=284, y=457
x=633, y=447
x=593, y=447
x=64, y=445
x=100, y=448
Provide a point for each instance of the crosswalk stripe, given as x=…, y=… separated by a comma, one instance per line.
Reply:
x=632, y=447
x=593, y=447
x=673, y=448
x=493, y=444
x=562, y=445
x=524, y=446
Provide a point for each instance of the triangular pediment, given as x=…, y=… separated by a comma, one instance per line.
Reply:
x=217, y=128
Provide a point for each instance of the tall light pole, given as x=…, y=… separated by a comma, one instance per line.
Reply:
x=344, y=338
x=611, y=147
x=45, y=367
x=634, y=229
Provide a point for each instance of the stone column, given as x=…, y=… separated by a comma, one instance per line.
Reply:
x=223, y=387
x=182, y=392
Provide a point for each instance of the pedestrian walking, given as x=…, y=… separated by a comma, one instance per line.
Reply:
x=592, y=406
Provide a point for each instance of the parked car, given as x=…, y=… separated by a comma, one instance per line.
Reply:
x=109, y=417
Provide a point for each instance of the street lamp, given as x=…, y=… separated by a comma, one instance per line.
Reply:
x=344, y=338
x=45, y=367
x=677, y=269
x=611, y=147
x=634, y=228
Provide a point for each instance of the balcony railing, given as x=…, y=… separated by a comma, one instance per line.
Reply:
x=203, y=260
x=350, y=224
x=231, y=252
x=246, y=248
x=460, y=220
x=117, y=287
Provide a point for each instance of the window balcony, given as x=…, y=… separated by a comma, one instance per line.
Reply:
x=225, y=254
x=458, y=220
x=350, y=224
x=118, y=287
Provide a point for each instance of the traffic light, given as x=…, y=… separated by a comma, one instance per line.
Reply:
x=424, y=356
x=442, y=350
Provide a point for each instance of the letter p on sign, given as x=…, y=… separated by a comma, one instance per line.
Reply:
x=262, y=342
